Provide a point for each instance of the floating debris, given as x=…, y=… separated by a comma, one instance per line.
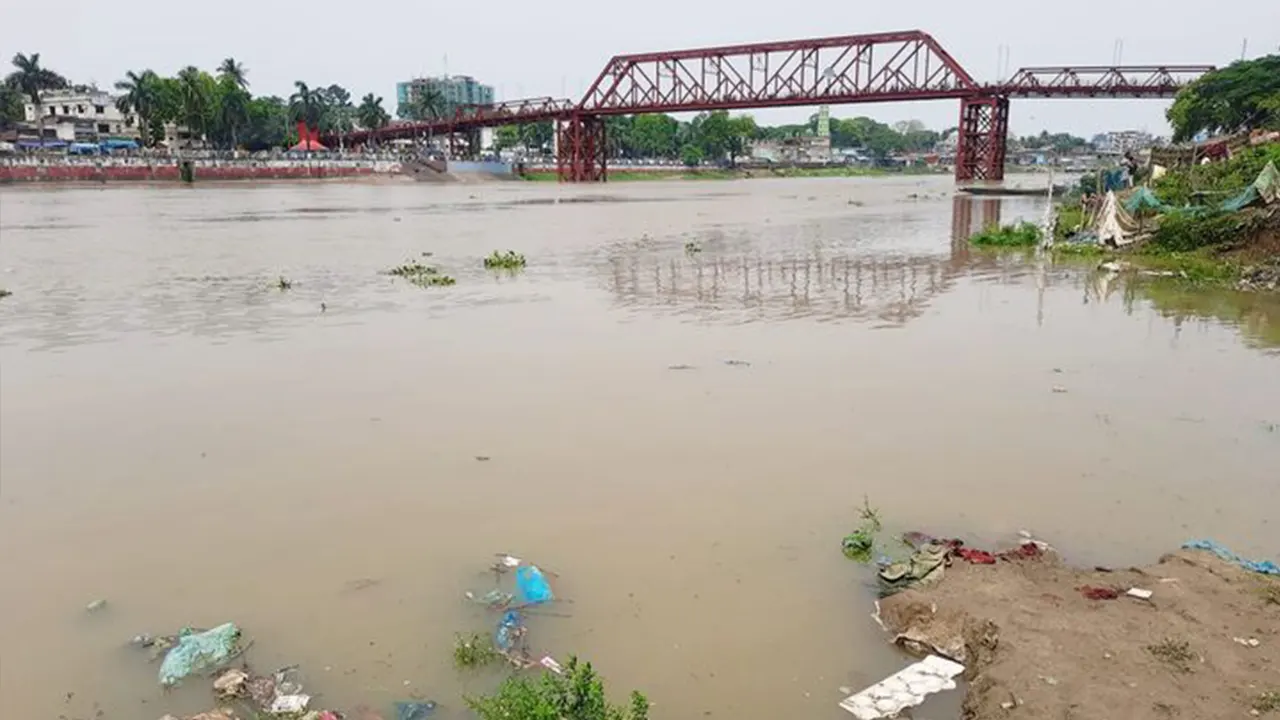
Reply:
x=415, y=710
x=95, y=606
x=198, y=651
x=509, y=260
x=231, y=683
x=737, y=363
x=904, y=689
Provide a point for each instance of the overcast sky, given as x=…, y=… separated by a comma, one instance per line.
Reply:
x=556, y=47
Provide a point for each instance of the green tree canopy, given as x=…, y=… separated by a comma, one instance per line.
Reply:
x=1241, y=96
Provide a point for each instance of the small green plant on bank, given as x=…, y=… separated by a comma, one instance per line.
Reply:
x=1267, y=702
x=473, y=651
x=859, y=544
x=577, y=694
x=1270, y=593
x=422, y=275
x=283, y=284
x=1174, y=653
x=1023, y=234
x=4, y=293
x=509, y=260
x=692, y=248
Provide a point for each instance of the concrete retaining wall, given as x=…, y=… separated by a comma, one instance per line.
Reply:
x=23, y=170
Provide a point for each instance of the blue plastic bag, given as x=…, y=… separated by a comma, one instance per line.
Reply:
x=199, y=651
x=532, y=585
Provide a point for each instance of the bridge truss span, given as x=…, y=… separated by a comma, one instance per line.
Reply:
x=882, y=67
x=1136, y=81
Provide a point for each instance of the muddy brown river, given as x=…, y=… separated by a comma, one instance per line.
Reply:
x=183, y=439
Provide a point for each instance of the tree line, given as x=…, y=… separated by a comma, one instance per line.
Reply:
x=1242, y=96
x=717, y=136
x=217, y=106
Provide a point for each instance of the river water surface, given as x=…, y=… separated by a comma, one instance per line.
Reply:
x=182, y=438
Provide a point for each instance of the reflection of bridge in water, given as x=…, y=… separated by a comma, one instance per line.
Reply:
x=876, y=285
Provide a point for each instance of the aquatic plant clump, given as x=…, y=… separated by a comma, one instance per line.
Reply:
x=1023, y=234
x=473, y=651
x=576, y=694
x=509, y=260
x=421, y=275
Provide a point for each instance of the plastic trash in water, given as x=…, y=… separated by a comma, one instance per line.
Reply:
x=550, y=663
x=199, y=651
x=904, y=689
x=415, y=710
x=532, y=585
x=1266, y=567
x=286, y=704
x=509, y=631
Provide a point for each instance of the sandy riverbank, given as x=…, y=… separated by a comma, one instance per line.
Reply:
x=1206, y=644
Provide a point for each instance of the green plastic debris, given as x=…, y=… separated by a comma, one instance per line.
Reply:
x=198, y=651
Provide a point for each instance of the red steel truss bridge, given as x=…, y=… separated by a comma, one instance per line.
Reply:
x=882, y=67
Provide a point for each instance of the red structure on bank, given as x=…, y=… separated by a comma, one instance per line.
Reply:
x=882, y=67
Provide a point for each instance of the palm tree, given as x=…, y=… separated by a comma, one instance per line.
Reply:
x=31, y=80
x=233, y=108
x=371, y=114
x=235, y=71
x=427, y=104
x=307, y=105
x=195, y=100
x=139, y=99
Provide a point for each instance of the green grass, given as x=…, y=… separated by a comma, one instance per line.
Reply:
x=1267, y=702
x=473, y=651
x=1070, y=220
x=1021, y=235
x=509, y=260
x=859, y=545
x=1174, y=653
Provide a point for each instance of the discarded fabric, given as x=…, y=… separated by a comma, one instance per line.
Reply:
x=1098, y=593
x=904, y=689
x=1139, y=593
x=532, y=585
x=1266, y=567
x=1024, y=551
x=924, y=566
x=415, y=710
x=550, y=663
x=977, y=557
x=199, y=651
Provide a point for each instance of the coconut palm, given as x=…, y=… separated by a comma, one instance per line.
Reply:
x=235, y=71
x=196, y=92
x=139, y=98
x=371, y=114
x=427, y=104
x=30, y=79
x=307, y=104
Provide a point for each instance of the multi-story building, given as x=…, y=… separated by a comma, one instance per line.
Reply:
x=1118, y=142
x=454, y=90
x=81, y=114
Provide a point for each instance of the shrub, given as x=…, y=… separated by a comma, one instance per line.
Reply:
x=1023, y=234
x=577, y=694
x=509, y=260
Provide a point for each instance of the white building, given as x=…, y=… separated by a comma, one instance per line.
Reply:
x=73, y=115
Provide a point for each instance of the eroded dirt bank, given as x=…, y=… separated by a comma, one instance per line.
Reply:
x=1205, y=646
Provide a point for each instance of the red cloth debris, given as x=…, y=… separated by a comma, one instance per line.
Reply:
x=1023, y=551
x=977, y=557
x=1098, y=593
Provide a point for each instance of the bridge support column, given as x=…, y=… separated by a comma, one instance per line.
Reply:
x=581, y=150
x=984, y=130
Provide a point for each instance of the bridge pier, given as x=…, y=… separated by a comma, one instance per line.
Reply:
x=984, y=131
x=581, y=150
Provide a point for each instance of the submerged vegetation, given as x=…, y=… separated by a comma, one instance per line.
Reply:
x=1023, y=234
x=4, y=293
x=421, y=275
x=577, y=694
x=473, y=651
x=859, y=544
x=509, y=260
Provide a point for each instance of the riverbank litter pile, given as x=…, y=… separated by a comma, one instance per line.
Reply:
x=520, y=589
x=1197, y=635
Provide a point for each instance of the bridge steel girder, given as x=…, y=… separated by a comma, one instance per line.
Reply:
x=983, y=142
x=1099, y=81
x=469, y=117
x=582, y=149
x=883, y=67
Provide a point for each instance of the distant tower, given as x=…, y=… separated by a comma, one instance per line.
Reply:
x=824, y=121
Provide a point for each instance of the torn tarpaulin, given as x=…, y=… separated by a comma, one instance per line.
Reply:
x=200, y=651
